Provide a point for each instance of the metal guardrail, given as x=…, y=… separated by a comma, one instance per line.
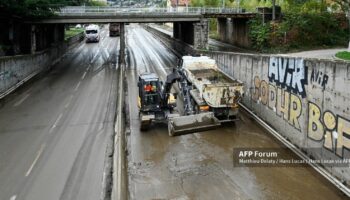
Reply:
x=88, y=10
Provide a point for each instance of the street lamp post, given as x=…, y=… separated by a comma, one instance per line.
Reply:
x=348, y=16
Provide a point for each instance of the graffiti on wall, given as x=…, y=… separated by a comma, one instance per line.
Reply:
x=284, y=93
x=318, y=77
x=289, y=74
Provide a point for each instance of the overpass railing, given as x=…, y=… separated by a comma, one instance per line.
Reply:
x=88, y=10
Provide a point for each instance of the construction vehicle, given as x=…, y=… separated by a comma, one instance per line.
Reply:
x=209, y=96
x=114, y=29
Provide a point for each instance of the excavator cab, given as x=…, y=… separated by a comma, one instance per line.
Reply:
x=156, y=103
x=149, y=92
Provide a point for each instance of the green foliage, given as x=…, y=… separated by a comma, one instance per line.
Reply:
x=300, y=30
x=72, y=32
x=343, y=55
x=96, y=3
x=259, y=33
x=209, y=3
x=35, y=8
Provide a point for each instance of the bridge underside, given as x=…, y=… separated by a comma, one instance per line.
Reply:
x=117, y=19
x=193, y=33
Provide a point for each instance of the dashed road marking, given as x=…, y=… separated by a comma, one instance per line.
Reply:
x=56, y=122
x=83, y=76
x=22, y=100
x=36, y=159
x=76, y=88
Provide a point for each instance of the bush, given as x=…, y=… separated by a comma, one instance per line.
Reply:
x=299, y=31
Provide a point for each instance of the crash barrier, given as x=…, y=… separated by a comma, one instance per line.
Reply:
x=16, y=70
x=306, y=101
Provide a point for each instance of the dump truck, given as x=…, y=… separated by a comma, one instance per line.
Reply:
x=209, y=97
x=114, y=29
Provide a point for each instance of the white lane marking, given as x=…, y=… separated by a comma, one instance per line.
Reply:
x=68, y=102
x=13, y=197
x=22, y=100
x=56, y=122
x=76, y=88
x=98, y=51
x=36, y=159
x=83, y=76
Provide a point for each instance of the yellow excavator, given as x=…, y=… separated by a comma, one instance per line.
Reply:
x=209, y=97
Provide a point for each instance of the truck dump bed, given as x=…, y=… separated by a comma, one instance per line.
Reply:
x=212, y=86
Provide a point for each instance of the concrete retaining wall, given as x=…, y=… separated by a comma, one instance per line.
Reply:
x=306, y=100
x=15, y=70
x=172, y=43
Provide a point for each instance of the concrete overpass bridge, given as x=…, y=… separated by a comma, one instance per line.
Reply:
x=190, y=24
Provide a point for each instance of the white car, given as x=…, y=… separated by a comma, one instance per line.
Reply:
x=92, y=33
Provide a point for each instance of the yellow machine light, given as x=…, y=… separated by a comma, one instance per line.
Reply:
x=139, y=102
x=171, y=99
x=204, y=108
x=234, y=106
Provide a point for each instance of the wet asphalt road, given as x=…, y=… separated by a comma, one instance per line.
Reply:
x=200, y=165
x=53, y=132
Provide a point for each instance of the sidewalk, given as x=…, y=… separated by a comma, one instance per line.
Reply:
x=324, y=53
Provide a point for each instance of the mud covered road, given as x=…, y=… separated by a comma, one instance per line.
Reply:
x=200, y=165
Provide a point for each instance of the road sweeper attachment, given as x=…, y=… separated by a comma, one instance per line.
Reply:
x=192, y=123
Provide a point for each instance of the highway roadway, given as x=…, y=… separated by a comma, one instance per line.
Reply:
x=54, y=134
x=54, y=131
x=200, y=165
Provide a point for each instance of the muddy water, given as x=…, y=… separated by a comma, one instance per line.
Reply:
x=200, y=165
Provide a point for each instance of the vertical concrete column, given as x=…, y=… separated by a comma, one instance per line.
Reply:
x=14, y=36
x=240, y=32
x=221, y=28
x=201, y=34
x=177, y=30
x=122, y=44
x=32, y=40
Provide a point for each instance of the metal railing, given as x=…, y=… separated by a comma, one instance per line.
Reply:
x=88, y=10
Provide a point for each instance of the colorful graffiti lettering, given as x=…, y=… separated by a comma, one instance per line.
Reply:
x=288, y=73
x=285, y=104
x=334, y=130
x=284, y=94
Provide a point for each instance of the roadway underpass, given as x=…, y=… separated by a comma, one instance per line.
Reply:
x=54, y=134
x=200, y=165
x=54, y=131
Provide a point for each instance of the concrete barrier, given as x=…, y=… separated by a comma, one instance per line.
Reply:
x=307, y=101
x=172, y=43
x=16, y=70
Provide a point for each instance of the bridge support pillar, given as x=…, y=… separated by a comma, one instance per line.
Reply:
x=201, y=34
x=32, y=39
x=122, y=44
x=234, y=31
x=193, y=33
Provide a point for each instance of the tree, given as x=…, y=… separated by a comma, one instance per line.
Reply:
x=35, y=8
x=345, y=7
